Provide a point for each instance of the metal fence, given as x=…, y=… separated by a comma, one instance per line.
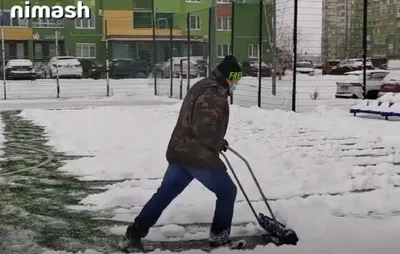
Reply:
x=273, y=40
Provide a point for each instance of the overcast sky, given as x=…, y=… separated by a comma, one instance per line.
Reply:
x=309, y=23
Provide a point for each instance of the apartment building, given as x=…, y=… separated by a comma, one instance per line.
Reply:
x=130, y=32
x=384, y=28
x=128, y=28
x=343, y=33
x=336, y=21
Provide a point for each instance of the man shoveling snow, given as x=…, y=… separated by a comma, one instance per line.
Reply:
x=193, y=153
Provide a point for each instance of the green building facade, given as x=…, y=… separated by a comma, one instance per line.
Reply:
x=81, y=37
x=127, y=25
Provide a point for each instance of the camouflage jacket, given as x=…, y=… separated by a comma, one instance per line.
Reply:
x=202, y=123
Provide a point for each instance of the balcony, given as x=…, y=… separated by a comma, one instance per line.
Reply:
x=120, y=23
x=17, y=33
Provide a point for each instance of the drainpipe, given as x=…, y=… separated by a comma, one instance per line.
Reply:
x=213, y=34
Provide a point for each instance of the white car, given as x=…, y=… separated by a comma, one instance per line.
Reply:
x=176, y=70
x=305, y=68
x=67, y=67
x=352, y=87
x=391, y=83
x=392, y=65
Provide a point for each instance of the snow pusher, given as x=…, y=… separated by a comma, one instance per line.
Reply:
x=276, y=231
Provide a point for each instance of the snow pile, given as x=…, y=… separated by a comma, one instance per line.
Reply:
x=330, y=173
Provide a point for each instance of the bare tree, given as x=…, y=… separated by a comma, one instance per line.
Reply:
x=283, y=34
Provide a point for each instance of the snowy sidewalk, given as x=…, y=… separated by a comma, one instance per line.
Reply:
x=333, y=178
x=85, y=102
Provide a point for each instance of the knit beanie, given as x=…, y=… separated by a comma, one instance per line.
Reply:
x=230, y=68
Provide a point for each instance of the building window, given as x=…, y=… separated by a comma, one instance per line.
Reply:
x=20, y=51
x=85, y=50
x=142, y=20
x=163, y=20
x=224, y=1
x=253, y=51
x=85, y=23
x=223, y=50
x=195, y=23
x=224, y=24
x=193, y=1
x=8, y=21
x=52, y=50
x=38, y=51
x=47, y=23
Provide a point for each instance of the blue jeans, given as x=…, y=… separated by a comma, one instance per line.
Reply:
x=176, y=179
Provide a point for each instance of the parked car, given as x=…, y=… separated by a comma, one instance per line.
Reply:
x=90, y=69
x=353, y=87
x=328, y=65
x=67, y=67
x=126, y=68
x=20, y=69
x=250, y=68
x=348, y=65
x=391, y=65
x=176, y=69
x=391, y=83
x=305, y=68
x=199, y=64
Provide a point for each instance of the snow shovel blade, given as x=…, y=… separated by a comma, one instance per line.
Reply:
x=278, y=230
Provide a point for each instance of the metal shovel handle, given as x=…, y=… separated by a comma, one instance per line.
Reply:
x=241, y=187
x=254, y=178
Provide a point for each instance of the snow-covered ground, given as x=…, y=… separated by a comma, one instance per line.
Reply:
x=311, y=92
x=117, y=100
x=334, y=178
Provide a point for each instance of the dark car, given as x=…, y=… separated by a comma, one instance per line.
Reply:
x=328, y=65
x=121, y=68
x=347, y=65
x=250, y=68
x=90, y=69
x=20, y=69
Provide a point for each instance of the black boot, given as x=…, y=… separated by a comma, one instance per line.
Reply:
x=132, y=240
x=220, y=239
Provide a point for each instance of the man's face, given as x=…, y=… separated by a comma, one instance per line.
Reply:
x=232, y=82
